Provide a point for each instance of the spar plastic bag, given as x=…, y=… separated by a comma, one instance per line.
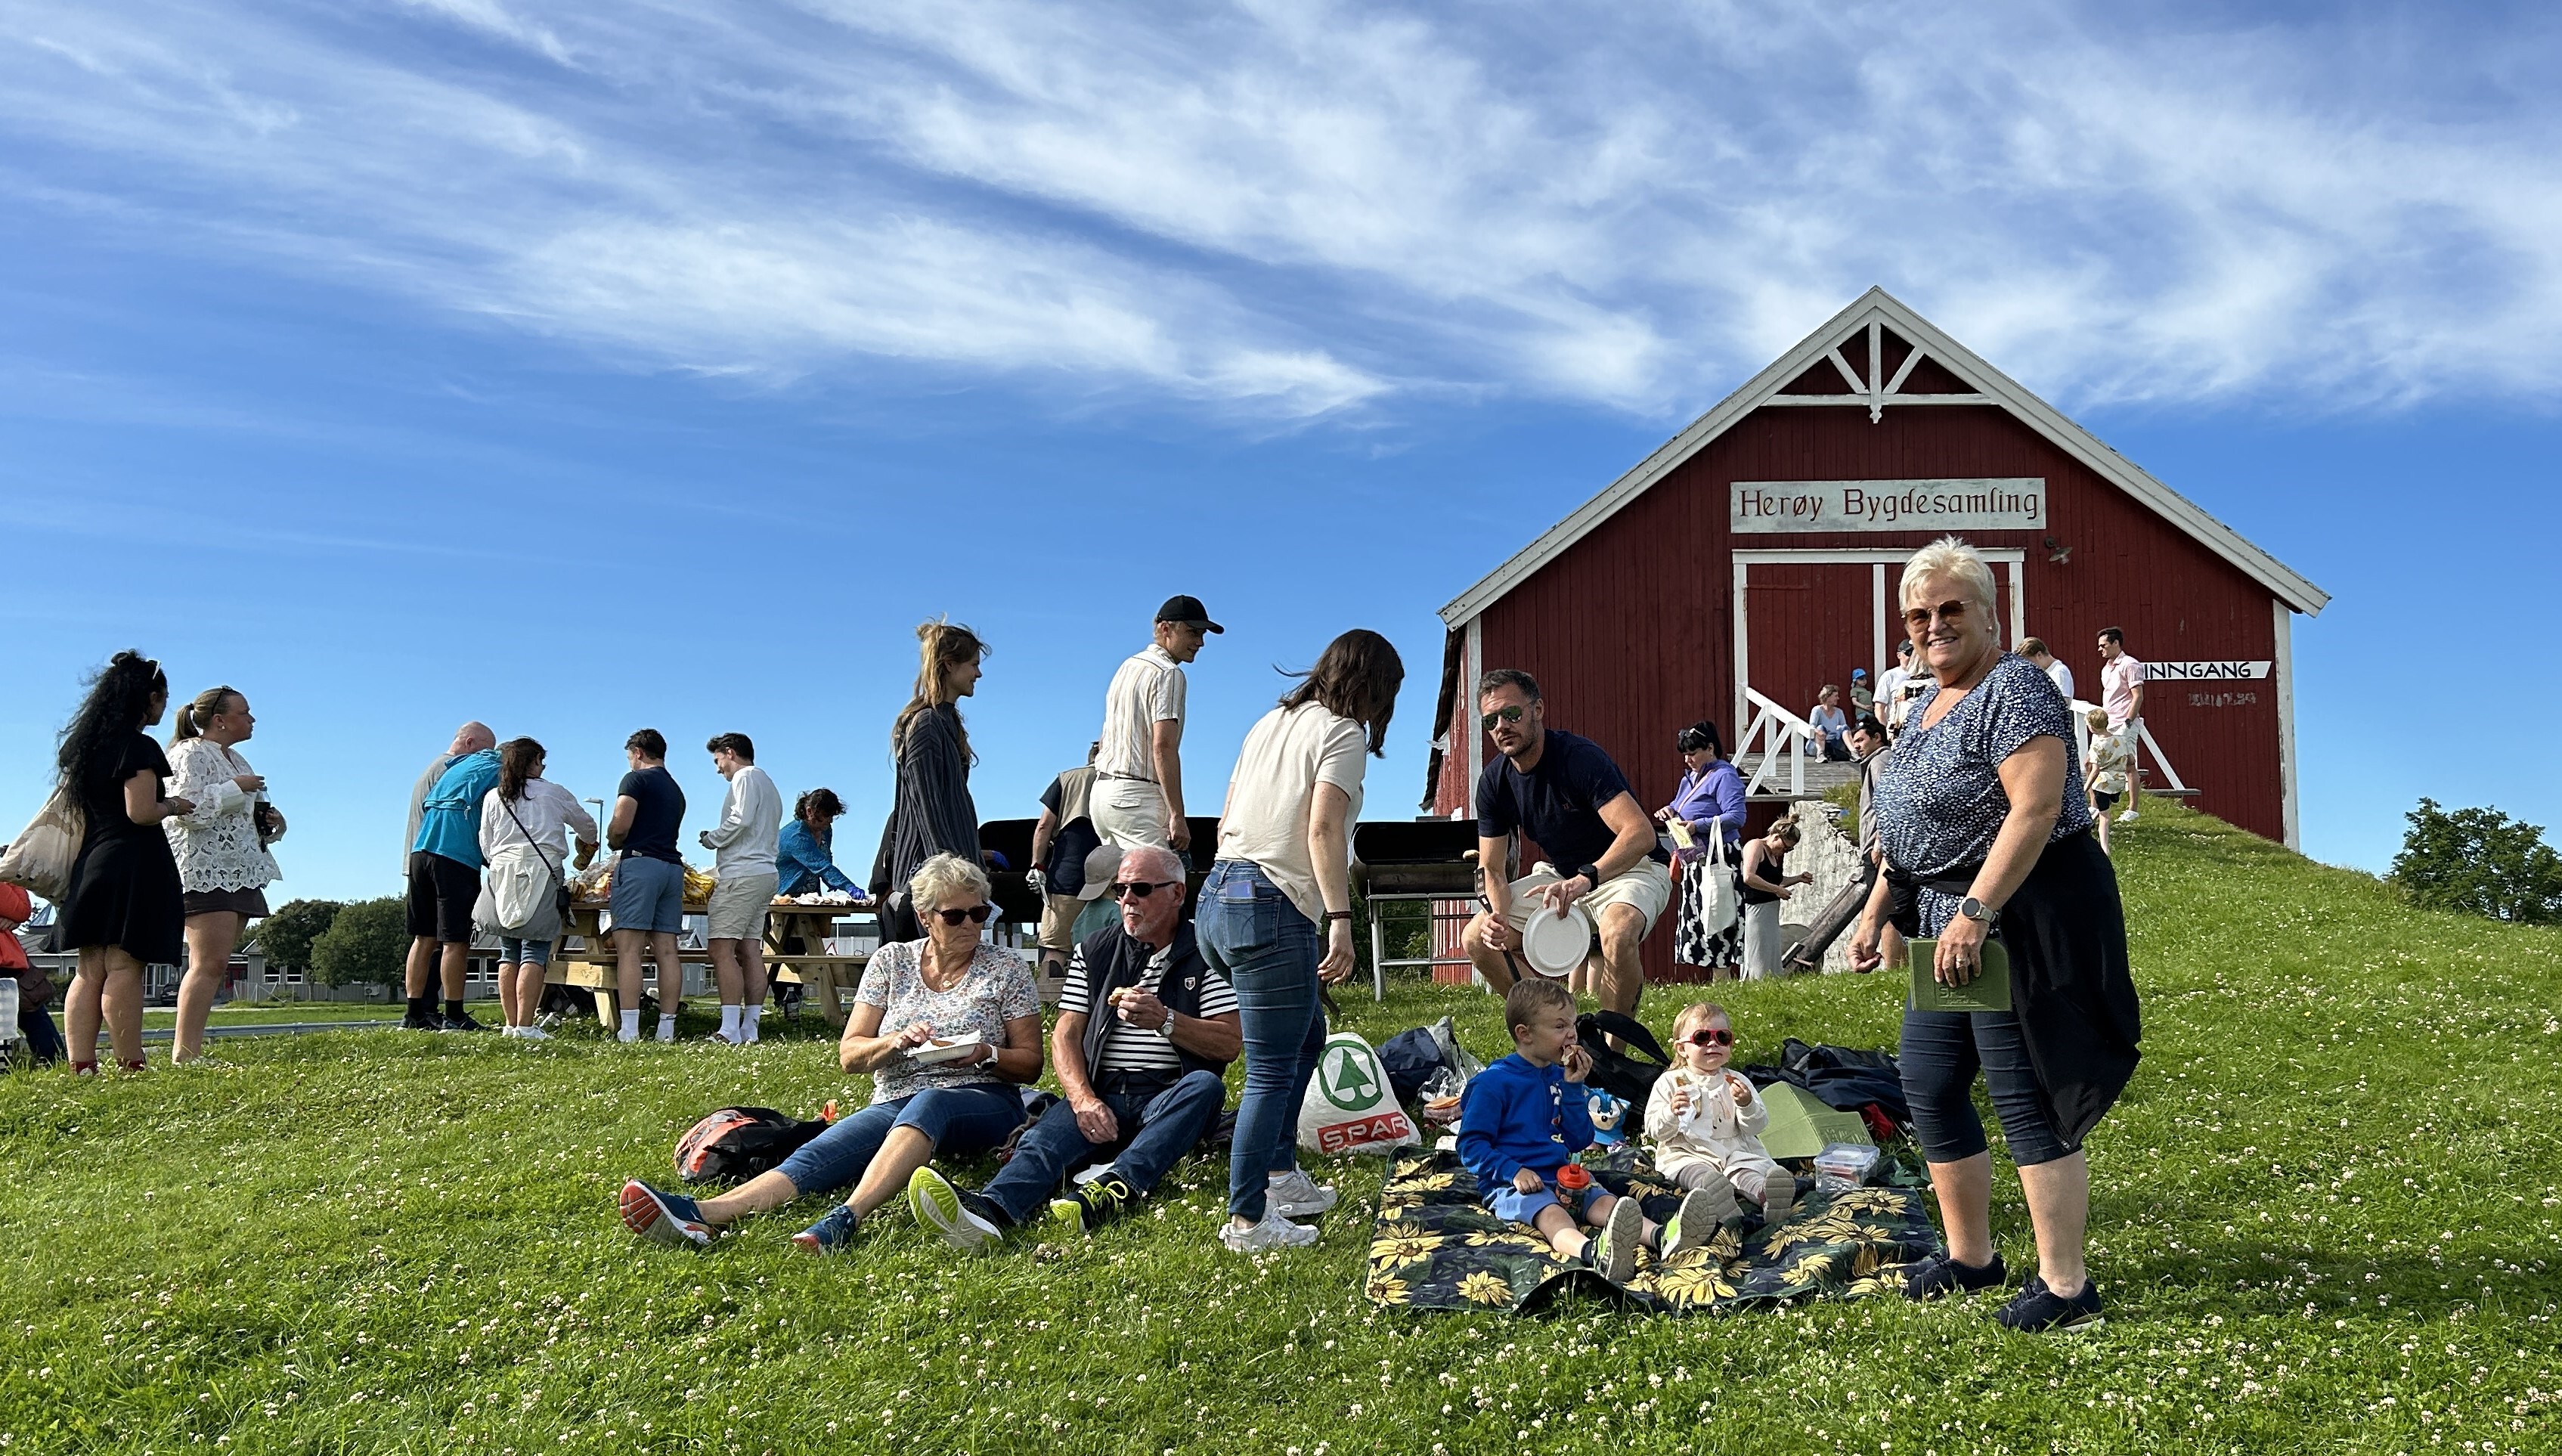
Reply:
x=1350, y=1106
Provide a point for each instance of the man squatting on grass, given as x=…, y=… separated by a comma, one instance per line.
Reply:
x=1524, y=1118
x=1144, y=1076
x=743, y=866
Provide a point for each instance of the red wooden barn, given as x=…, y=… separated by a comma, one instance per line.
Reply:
x=1758, y=552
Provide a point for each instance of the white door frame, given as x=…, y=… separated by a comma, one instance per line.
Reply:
x=2011, y=561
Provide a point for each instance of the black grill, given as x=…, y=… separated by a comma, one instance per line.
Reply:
x=1432, y=856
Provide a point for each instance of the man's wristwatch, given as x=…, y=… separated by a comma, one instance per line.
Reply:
x=1592, y=875
x=1977, y=911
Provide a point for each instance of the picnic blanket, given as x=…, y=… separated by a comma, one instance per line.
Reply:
x=1437, y=1247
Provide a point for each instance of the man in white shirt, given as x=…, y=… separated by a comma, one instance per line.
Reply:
x=2121, y=692
x=1890, y=682
x=2037, y=653
x=744, y=871
x=1139, y=771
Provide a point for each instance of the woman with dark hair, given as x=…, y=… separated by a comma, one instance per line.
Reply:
x=223, y=864
x=1710, y=804
x=932, y=812
x=525, y=824
x=124, y=909
x=1282, y=872
x=805, y=853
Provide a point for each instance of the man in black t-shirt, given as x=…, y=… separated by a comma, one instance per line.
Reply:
x=1565, y=795
x=648, y=895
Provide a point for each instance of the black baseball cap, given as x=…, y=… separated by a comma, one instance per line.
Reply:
x=1187, y=611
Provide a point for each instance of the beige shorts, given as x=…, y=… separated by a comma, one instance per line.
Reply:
x=739, y=907
x=1648, y=887
x=1058, y=922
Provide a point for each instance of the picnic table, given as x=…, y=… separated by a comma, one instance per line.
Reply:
x=796, y=950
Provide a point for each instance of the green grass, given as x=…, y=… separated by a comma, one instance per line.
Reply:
x=2325, y=1218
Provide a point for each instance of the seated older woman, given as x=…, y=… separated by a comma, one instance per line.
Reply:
x=1986, y=836
x=946, y=1025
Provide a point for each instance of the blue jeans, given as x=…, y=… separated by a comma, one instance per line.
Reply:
x=1252, y=934
x=956, y=1121
x=1941, y=1053
x=517, y=952
x=1157, y=1128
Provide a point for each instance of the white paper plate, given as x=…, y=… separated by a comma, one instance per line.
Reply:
x=932, y=1052
x=1556, y=944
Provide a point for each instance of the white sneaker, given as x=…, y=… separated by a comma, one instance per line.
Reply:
x=1294, y=1195
x=2128, y=818
x=1274, y=1233
x=529, y=1034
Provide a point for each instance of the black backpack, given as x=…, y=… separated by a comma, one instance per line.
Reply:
x=1622, y=1076
x=738, y=1143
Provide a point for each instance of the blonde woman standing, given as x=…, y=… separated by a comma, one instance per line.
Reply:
x=932, y=812
x=224, y=868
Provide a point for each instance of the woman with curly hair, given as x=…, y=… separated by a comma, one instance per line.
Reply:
x=124, y=909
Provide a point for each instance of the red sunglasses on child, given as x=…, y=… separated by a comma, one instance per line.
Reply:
x=1711, y=1037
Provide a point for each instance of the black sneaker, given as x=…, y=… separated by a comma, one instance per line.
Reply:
x=461, y=1022
x=422, y=1021
x=2037, y=1310
x=1090, y=1205
x=1942, y=1275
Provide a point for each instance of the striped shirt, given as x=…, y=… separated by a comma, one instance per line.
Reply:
x=1128, y=1048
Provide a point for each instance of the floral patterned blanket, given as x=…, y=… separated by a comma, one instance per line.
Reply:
x=1437, y=1247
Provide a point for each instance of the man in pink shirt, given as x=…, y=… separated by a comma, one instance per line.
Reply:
x=2122, y=693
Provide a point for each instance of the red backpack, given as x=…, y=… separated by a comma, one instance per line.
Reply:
x=738, y=1143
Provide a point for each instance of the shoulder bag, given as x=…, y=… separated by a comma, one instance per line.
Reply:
x=42, y=856
x=1718, y=904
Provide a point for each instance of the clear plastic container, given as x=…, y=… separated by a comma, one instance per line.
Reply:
x=1843, y=1166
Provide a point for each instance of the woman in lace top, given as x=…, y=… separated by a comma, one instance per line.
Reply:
x=223, y=864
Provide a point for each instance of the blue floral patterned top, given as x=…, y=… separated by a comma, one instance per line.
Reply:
x=1940, y=800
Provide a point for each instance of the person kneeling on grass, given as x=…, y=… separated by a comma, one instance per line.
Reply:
x=1146, y=1030
x=946, y=1025
x=1524, y=1117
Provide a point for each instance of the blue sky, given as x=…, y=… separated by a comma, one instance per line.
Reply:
x=579, y=368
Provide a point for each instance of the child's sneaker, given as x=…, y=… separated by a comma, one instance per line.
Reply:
x=1087, y=1208
x=661, y=1217
x=1701, y=1211
x=1939, y=1275
x=1613, y=1250
x=1779, y=1196
x=831, y=1234
x=2036, y=1309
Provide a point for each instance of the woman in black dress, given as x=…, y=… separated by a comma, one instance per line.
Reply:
x=124, y=910
x=932, y=812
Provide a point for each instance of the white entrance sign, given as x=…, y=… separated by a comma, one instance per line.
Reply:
x=1766, y=508
x=2203, y=671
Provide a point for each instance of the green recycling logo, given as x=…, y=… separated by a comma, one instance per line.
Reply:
x=1344, y=1074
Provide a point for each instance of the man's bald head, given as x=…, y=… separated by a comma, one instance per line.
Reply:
x=473, y=737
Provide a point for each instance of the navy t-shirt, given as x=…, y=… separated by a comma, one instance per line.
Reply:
x=1558, y=803
x=659, y=806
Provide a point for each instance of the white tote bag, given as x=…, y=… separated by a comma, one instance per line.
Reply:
x=1719, y=901
x=1350, y=1108
x=41, y=858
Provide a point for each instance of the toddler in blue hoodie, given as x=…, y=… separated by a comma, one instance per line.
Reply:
x=1524, y=1118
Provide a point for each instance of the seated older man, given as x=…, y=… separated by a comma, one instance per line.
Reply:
x=1146, y=1030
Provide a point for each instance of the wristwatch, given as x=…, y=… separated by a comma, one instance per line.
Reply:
x=988, y=1060
x=1592, y=875
x=1975, y=910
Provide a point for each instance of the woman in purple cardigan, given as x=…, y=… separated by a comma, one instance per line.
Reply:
x=1711, y=801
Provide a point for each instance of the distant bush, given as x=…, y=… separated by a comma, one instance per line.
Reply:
x=286, y=937
x=2482, y=862
x=366, y=943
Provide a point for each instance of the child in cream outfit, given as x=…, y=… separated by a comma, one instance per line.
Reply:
x=1705, y=1124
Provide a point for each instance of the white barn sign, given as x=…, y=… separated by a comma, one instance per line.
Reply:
x=1770, y=507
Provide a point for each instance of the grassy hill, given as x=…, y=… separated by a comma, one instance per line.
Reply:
x=2327, y=1218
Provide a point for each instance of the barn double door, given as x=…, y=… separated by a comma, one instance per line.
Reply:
x=1804, y=619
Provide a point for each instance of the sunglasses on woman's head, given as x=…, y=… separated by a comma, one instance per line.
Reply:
x=977, y=913
x=1711, y=1037
x=1508, y=714
x=1138, y=889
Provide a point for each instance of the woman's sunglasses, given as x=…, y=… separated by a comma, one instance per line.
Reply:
x=1711, y=1037
x=976, y=914
x=1950, y=613
x=1139, y=889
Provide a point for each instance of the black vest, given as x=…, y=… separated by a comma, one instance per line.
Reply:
x=1113, y=959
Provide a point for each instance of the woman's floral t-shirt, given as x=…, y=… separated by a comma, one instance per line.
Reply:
x=997, y=988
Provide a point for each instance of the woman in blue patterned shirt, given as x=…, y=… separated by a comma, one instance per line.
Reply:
x=1985, y=837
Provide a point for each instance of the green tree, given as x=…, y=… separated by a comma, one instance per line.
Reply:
x=286, y=935
x=2482, y=862
x=366, y=942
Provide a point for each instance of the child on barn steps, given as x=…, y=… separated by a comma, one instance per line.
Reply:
x=1524, y=1118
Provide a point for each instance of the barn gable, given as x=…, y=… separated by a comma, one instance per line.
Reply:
x=1879, y=353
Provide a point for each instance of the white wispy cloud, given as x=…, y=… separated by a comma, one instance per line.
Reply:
x=1298, y=210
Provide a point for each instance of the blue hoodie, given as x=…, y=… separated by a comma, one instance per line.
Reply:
x=1516, y=1116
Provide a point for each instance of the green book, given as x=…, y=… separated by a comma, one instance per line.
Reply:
x=1988, y=992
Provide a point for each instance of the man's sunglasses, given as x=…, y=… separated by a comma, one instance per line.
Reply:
x=976, y=914
x=1711, y=1037
x=1139, y=889
x=1510, y=714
